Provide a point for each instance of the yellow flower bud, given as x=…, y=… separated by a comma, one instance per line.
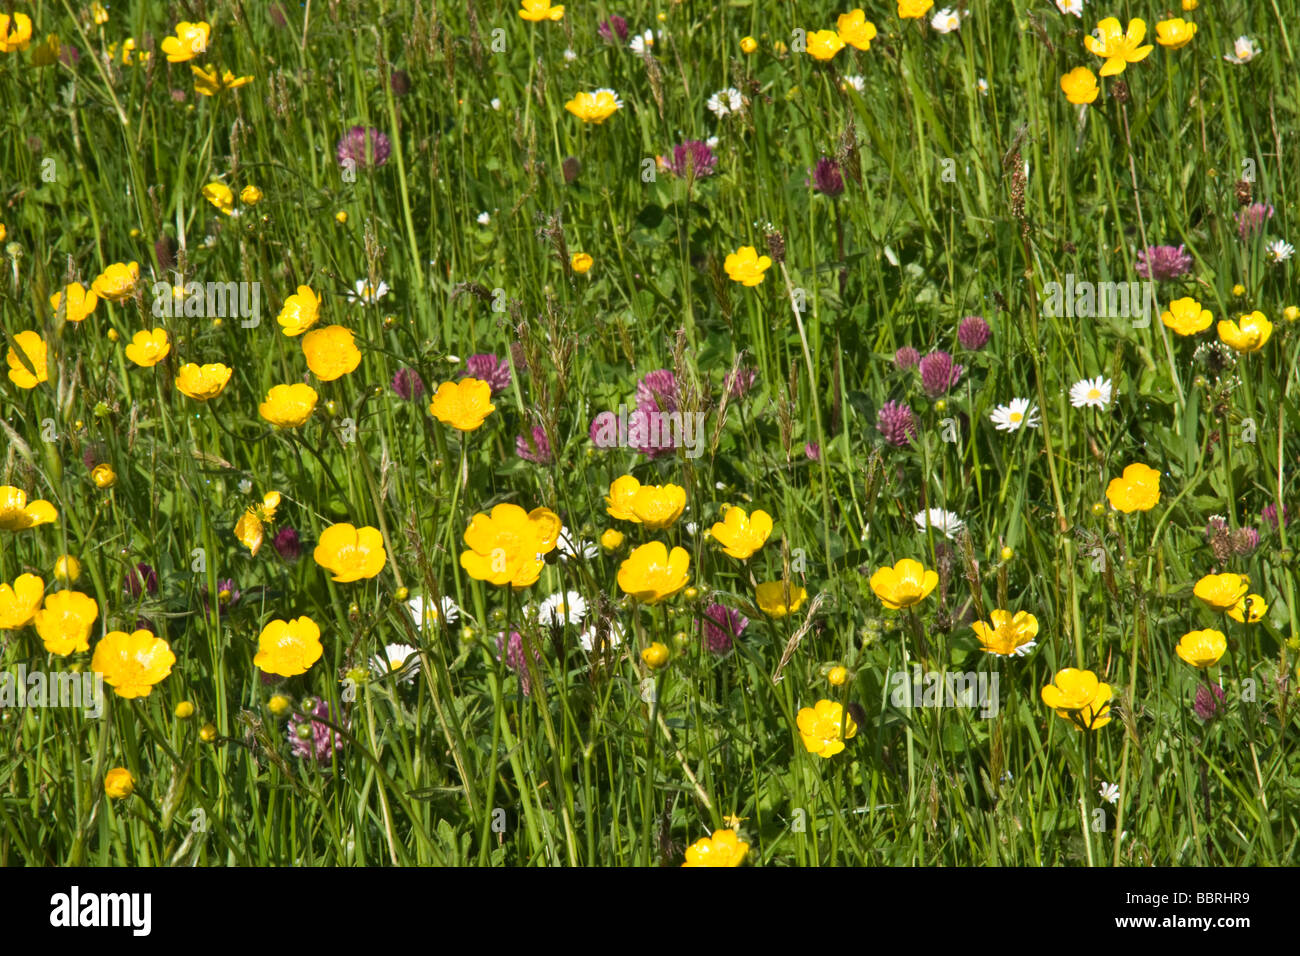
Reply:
x=1008, y=554
x=341, y=217
x=748, y=45
x=184, y=710
x=279, y=705
x=250, y=195
x=208, y=733
x=655, y=656
x=1291, y=313
x=103, y=476
x=118, y=783
x=1238, y=289
x=838, y=676
x=66, y=569
x=611, y=540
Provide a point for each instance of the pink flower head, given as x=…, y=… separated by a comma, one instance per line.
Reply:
x=364, y=148
x=973, y=333
x=721, y=626
x=1163, y=262
x=938, y=373
x=538, y=450
x=897, y=423
x=491, y=369
x=311, y=738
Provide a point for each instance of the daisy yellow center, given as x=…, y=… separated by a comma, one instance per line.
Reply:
x=1015, y=417
x=1094, y=394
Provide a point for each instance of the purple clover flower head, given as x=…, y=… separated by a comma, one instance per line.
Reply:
x=1245, y=541
x=615, y=26
x=648, y=433
x=1163, y=262
x=227, y=594
x=287, y=544
x=826, y=178
x=311, y=738
x=407, y=384
x=1215, y=525
x=1269, y=514
x=512, y=652
x=741, y=381
x=938, y=373
x=538, y=450
x=1251, y=219
x=363, y=147
x=601, y=424
x=658, y=389
x=692, y=159
x=812, y=451
x=139, y=579
x=491, y=369
x=973, y=333
x=1209, y=704
x=721, y=626
x=897, y=423
x=906, y=357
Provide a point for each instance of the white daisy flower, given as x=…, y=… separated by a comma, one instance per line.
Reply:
x=1279, y=250
x=570, y=55
x=643, y=43
x=983, y=86
x=712, y=142
x=940, y=520
x=613, y=639
x=1109, y=792
x=946, y=20
x=446, y=610
x=368, y=294
x=859, y=83
x=1070, y=7
x=245, y=486
x=1091, y=393
x=395, y=658
x=1244, y=49
x=569, y=607
x=726, y=101
x=1009, y=418
x=484, y=219
x=571, y=548
x=495, y=103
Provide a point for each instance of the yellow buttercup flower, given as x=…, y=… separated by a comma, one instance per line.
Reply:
x=149, y=348
x=748, y=45
x=15, y=32
x=581, y=262
x=1175, y=33
x=103, y=476
x=211, y=82
x=65, y=622
x=855, y=29
x=746, y=266
x=288, y=648
x=837, y=676
x=117, y=282
x=33, y=348
x=132, y=663
x=118, y=783
x=203, y=382
x=463, y=405
x=1080, y=698
x=655, y=656
x=250, y=195
x=1080, y=85
x=81, y=302
x=1222, y=592
x=622, y=494
x=914, y=9
x=1186, y=317
x=651, y=573
x=1247, y=334
x=724, y=848
x=288, y=406
x=1138, y=489
x=907, y=583
x=537, y=10
x=741, y=534
x=1249, y=610
x=825, y=727
x=331, y=352
x=20, y=601
x=300, y=311
x=1117, y=47
x=19, y=514
x=220, y=195
x=824, y=44
x=1009, y=634
x=190, y=40
x=250, y=529
x=594, y=107
x=351, y=553
x=508, y=545
x=656, y=506
x=773, y=600
x=1202, y=648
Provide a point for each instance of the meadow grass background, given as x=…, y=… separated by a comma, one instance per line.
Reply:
x=584, y=770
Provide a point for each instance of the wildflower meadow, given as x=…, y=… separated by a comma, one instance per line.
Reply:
x=658, y=434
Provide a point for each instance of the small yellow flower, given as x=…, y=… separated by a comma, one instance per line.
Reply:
x=1080, y=85
x=1138, y=489
x=300, y=311
x=1190, y=5
x=220, y=195
x=748, y=45
x=288, y=406
x=537, y=10
x=20, y=601
x=508, y=545
x=341, y=217
x=651, y=573
x=1175, y=33
x=1202, y=648
x=1222, y=592
x=184, y=710
x=208, y=733
x=65, y=622
x=855, y=29
x=288, y=648
x=250, y=529
x=1186, y=317
x=724, y=848
x=1291, y=313
x=81, y=302
x=581, y=262
x=15, y=33
x=837, y=676
x=250, y=195
x=1249, y=610
x=655, y=656
x=132, y=663
x=1080, y=698
x=773, y=601
x=914, y=9
x=655, y=506
x=34, y=350
x=464, y=405
x=1009, y=632
x=824, y=44
x=103, y=476
x=351, y=553
x=190, y=40
x=611, y=539
x=331, y=352
x=746, y=266
x=824, y=728
x=19, y=514
x=741, y=534
x=118, y=783
x=203, y=382
x=594, y=107
x=1247, y=334
x=1117, y=47
x=279, y=705
x=148, y=348
x=907, y=583
x=211, y=82
x=99, y=13
x=66, y=569
x=1238, y=290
